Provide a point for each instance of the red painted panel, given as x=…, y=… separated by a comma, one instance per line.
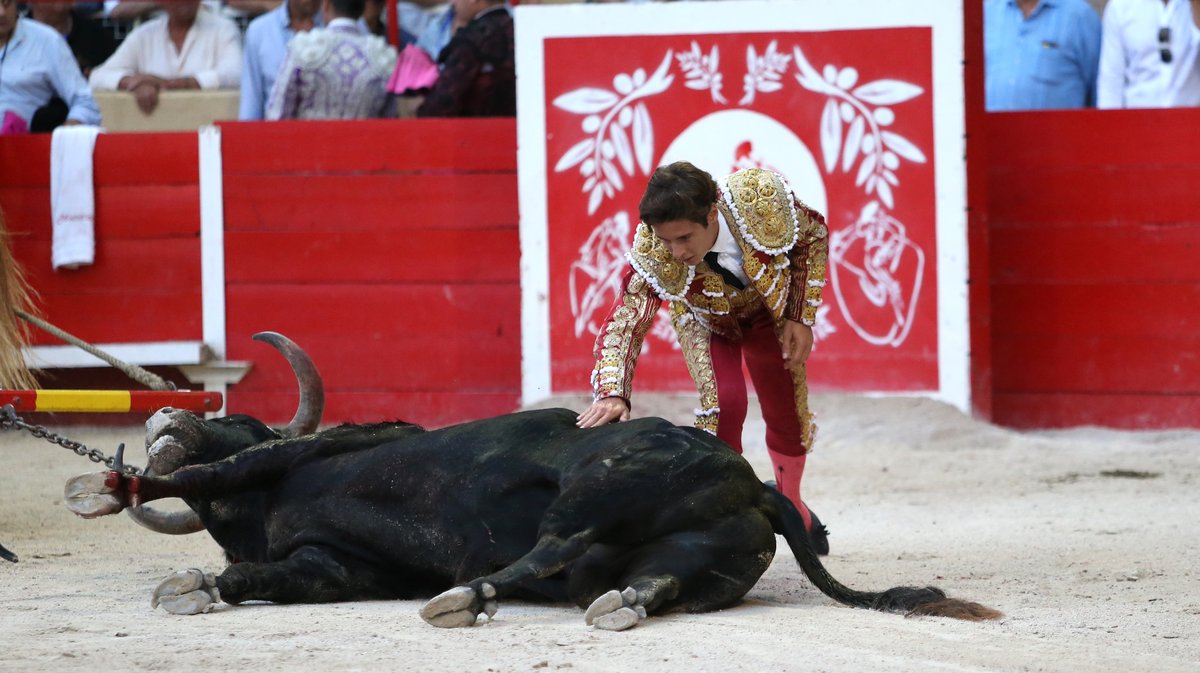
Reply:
x=26, y=209
x=303, y=203
x=147, y=159
x=1093, y=253
x=431, y=410
x=400, y=254
x=978, y=150
x=379, y=146
x=1099, y=363
x=1063, y=410
x=1107, y=193
x=122, y=211
x=25, y=161
x=1093, y=242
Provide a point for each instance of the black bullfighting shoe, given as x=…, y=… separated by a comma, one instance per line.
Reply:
x=818, y=535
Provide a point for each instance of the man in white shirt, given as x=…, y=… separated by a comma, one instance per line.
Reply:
x=188, y=47
x=1148, y=54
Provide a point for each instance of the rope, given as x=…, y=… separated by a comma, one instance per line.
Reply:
x=149, y=379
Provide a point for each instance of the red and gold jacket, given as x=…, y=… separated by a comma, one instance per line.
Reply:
x=784, y=247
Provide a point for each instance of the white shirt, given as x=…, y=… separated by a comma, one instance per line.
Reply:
x=729, y=253
x=211, y=53
x=1132, y=73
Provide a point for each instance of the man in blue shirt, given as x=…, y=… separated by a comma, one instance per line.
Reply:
x=266, y=45
x=1040, y=54
x=35, y=65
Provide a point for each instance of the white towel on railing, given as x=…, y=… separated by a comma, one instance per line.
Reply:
x=72, y=199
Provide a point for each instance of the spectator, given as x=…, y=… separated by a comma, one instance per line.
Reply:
x=478, y=77
x=1148, y=54
x=186, y=48
x=1040, y=54
x=89, y=42
x=267, y=38
x=35, y=65
x=335, y=72
x=433, y=25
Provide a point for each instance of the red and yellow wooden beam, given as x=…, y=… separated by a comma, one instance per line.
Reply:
x=110, y=401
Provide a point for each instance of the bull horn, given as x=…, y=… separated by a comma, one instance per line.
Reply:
x=312, y=390
x=169, y=523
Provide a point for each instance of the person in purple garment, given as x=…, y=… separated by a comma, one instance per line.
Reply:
x=336, y=72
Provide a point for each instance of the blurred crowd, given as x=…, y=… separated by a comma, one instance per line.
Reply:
x=1059, y=54
x=287, y=59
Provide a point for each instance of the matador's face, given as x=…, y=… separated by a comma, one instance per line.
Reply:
x=687, y=241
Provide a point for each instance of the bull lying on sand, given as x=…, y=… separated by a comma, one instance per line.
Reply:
x=625, y=520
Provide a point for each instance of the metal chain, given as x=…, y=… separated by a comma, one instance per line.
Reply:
x=10, y=420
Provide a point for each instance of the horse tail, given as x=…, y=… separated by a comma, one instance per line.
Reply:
x=909, y=601
x=16, y=295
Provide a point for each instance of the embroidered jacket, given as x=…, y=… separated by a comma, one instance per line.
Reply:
x=784, y=247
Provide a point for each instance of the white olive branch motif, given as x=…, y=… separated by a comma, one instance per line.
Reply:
x=865, y=136
x=595, y=154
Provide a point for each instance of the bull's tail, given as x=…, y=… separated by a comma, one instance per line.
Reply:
x=909, y=601
x=15, y=295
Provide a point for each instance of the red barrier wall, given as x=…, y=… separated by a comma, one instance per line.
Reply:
x=145, y=285
x=1095, y=287
x=389, y=251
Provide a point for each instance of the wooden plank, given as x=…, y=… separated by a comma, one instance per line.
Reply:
x=122, y=211
x=25, y=160
x=109, y=401
x=1100, y=363
x=361, y=312
x=1129, y=311
x=321, y=203
x=123, y=266
x=147, y=159
x=374, y=146
x=1051, y=195
x=120, y=318
x=1115, y=410
x=432, y=362
x=1119, y=138
x=1095, y=253
x=398, y=254
x=428, y=409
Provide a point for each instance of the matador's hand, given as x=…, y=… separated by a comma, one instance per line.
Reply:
x=604, y=411
x=797, y=343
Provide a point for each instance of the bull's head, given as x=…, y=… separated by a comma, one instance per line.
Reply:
x=175, y=438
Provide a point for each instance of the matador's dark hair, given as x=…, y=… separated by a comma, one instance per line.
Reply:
x=678, y=191
x=351, y=9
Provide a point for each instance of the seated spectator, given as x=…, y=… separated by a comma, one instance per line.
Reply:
x=35, y=65
x=267, y=38
x=188, y=47
x=434, y=27
x=478, y=77
x=1148, y=54
x=336, y=72
x=89, y=42
x=1040, y=54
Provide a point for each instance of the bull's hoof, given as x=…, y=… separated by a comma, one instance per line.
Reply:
x=187, y=592
x=92, y=495
x=615, y=611
x=460, y=607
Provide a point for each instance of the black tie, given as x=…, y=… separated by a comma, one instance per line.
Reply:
x=730, y=277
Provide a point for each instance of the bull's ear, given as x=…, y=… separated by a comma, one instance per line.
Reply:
x=308, y=379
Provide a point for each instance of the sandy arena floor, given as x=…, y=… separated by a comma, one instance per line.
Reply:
x=1086, y=539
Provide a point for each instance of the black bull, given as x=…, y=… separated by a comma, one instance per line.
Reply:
x=525, y=505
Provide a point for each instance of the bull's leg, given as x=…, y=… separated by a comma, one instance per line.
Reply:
x=461, y=606
x=309, y=575
x=697, y=570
